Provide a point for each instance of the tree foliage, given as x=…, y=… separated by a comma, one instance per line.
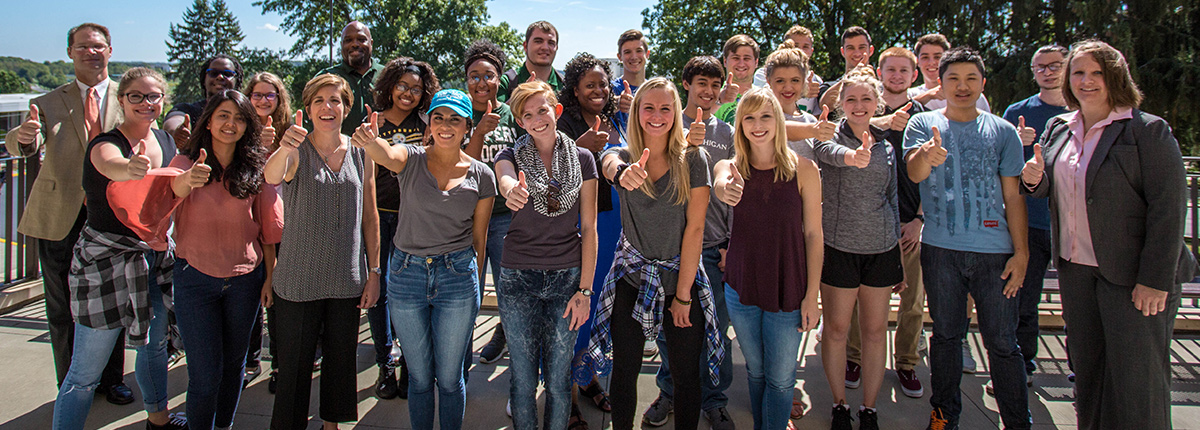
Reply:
x=435, y=31
x=1159, y=38
x=208, y=29
x=10, y=83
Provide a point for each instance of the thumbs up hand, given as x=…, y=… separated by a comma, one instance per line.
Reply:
x=734, y=187
x=900, y=118
x=861, y=157
x=294, y=134
x=532, y=77
x=366, y=132
x=825, y=129
x=488, y=122
x=267, y=137
x=30, y=129
x=183, y=134
x=634, y=176
x=518, y=195
x=626, y=99
x=813, y=89
x=933, y=151
x=1028, y=134
x=1032, y=172
x=593, y=139
x=695, y=132
x=139, y=163
x=197, y=176
x=730, y=91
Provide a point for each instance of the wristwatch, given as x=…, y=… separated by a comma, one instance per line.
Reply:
x=377, y=270
x=585, y=292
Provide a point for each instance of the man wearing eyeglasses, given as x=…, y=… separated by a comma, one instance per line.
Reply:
x=61, y=123
x=219, y=73
x=359, y=69
x=1030, y=117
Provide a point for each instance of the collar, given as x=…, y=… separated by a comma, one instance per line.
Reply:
x=101, y=88
x=1075, y=120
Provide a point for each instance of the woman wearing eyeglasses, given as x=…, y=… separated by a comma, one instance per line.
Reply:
x=272, y=105
x=433, y=279
x=117, y=279
x=549, y=259
x=402, y=93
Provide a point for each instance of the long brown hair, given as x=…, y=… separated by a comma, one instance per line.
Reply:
x=281, y=117
x=677, y=146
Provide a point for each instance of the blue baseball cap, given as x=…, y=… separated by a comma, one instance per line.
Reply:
x=456, y=100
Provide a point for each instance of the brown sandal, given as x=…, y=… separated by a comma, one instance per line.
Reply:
x=598, y=396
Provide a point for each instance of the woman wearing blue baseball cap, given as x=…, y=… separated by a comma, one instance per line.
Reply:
x=433, y=281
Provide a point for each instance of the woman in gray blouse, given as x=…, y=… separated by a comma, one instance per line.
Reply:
x=331, y=269
x=433, y=281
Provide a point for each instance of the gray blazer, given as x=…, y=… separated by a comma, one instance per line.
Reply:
x=1136, y=201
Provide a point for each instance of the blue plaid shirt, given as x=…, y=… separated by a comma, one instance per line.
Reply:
x=648, y=310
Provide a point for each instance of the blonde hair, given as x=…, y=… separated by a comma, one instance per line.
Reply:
x=798, y=30
x=132, y=75
x=861, y=77
x=785, y=160
x=321, y=81
x=677, y=146
x=788, y=55
x=526, y=91
x=281, y=117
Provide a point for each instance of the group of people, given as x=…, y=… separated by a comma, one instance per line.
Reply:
x=617, y=215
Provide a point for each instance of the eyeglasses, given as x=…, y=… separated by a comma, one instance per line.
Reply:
x=215, y=73
x=553, y=188
x=1042, y=68
x=99, y=47
x=151, y=98
x=261, y=96
x=485, y=78
x=411, y=90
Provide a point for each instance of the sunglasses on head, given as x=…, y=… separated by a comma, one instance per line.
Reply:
x=553, y=188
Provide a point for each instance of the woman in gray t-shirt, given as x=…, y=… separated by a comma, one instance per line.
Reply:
x=433, y=281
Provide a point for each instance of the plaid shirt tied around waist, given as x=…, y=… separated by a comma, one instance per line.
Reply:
x=648, y=310
x=109, y=282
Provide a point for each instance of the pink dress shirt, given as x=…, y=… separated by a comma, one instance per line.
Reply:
x=1070, y=172
x=222, y=236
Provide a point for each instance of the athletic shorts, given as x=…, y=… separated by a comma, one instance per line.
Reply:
x=848, y=270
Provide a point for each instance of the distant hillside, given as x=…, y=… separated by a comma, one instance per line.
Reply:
x=51, y=74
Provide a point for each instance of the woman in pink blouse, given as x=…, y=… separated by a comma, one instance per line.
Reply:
x=1118, y=195
x=226, y=229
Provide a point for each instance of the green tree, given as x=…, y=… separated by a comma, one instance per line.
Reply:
x=10, y=83
x=435, y=31
x=208, y=29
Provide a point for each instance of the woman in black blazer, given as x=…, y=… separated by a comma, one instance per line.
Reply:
x=1119, y=194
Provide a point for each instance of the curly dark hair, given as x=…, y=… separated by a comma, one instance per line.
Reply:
x=484, y=49
x=237, y=67
x=576, y=68
x=244, y=175
x=391, y=74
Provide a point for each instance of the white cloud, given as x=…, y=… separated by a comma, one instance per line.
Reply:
x=269, y=27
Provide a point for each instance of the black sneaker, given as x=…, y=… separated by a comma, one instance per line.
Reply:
x=868, y=420
x=273, y=383
x=402, y=384
x=495, y=348
x=385, y=385
x=175, y=421
x=841, y=418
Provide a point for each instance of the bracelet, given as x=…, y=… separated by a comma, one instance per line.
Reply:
x=620, y=170
x=682, y=302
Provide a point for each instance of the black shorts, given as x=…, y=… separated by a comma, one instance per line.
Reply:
x=847, y=270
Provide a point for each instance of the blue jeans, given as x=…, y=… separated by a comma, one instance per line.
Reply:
x=91, y=352
x=532, y=303
x=378, y=317
x=215, y=317
x=949, y=276
x=712, y=396
x=771, y=344
x=1031, y=295
x=434, y=302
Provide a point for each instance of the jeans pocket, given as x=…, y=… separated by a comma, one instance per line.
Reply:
x=462, y=263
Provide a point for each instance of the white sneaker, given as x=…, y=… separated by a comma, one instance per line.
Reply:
x=967, y=359
x=922, y=344
x=650, y=348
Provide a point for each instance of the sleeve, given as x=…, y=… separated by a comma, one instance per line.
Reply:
x=1164, y=189
x=416, y=153
x=983, y=104
x=506, y=154
x=699, y=175
x=830, y=152
x=502, y=90
x=180, y=161
x=268, y=209
x=1012, y=154
x=619, y=151
x=587, y=164
x=487, y=181
x=915, y=134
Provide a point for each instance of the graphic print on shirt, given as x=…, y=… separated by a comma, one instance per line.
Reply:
x=972, y=191
x=495, y=141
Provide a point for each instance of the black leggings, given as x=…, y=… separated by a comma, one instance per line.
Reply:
x=683, y=346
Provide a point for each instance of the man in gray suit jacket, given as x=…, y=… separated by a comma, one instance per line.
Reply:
x=61, y=123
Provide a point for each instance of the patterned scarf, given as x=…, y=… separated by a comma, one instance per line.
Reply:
x=568, y=176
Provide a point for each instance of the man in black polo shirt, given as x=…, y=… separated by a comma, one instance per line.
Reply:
x=357, y=68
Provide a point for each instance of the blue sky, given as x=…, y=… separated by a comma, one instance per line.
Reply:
x=139, y=27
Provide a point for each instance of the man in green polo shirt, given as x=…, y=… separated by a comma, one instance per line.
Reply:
x=358, y=69
x=541, y=45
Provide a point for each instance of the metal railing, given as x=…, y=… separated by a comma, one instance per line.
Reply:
x=20, y=252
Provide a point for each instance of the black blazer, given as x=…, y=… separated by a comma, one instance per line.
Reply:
x=1136, y=193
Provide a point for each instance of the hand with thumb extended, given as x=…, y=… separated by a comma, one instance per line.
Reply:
x=1027, y=134
x=267, y=137
x=825, y=129
x=634, y=176
x=532, y=76
x=518, y=195
x=696, y=131
x=813, y=89
x=183, y=134
x=593, y=139
x=197, y=176
x=368, y=131
x=861, y=157
x=489, y=122
x=900, y=118
x=1032, y=172
x=734, y=186
x=626, y=99
x=138, y=163
x=731, y=90
x=933, y=151
x=295, y=134
x=31, y=127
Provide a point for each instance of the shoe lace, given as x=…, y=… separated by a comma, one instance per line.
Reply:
x=937, y=420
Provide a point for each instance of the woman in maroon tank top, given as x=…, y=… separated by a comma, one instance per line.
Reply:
x=773, y=266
